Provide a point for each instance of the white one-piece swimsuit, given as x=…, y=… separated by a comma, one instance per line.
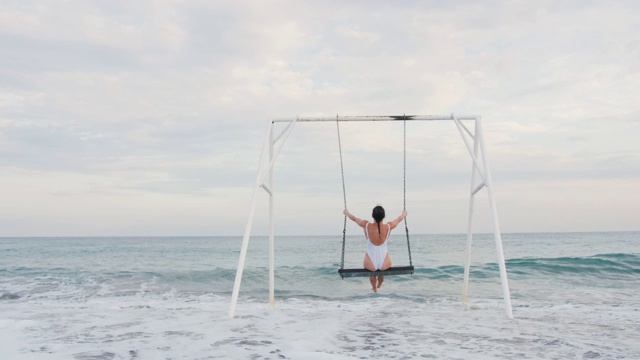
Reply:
x=377, y=254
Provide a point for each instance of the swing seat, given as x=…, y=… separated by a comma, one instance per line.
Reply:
x=394, y=270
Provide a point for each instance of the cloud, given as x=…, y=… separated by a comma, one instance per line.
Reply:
x=168, y=101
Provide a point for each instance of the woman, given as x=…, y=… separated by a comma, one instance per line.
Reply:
x=377, y=255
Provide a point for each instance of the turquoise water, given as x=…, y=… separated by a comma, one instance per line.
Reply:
x=555, y=279
x=201, y=265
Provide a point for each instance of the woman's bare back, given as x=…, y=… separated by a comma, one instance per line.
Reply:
x=376, y=239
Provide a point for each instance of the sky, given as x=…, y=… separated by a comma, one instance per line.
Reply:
x=146, y=118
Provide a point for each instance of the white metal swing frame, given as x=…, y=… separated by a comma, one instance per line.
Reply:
x=481, y=168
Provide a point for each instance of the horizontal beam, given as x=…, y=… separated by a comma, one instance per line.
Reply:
x=380, y=118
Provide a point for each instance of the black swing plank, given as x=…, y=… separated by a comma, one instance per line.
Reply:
x=394, y=270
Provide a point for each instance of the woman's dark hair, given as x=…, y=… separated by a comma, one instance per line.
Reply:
x=378, y=215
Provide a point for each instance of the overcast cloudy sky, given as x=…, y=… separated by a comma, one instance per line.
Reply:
x=147, y=117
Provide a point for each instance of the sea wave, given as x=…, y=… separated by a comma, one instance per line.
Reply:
x=615, y=264
x=597, y=265
x=20, y=282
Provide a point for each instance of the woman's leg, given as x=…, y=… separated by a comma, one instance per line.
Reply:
x=385, y=265
x=372, y=280
x=387, y=262
x=368, y=264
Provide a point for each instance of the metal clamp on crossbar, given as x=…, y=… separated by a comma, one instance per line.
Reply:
x=266, y=188
x=478, y=188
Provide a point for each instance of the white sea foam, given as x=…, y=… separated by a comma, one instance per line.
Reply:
x=377, y=326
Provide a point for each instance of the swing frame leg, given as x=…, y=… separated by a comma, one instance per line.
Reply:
x=264, y=171
x=485, y=174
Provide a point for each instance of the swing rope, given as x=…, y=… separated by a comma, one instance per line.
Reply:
x=344, y=194
x=404, y=186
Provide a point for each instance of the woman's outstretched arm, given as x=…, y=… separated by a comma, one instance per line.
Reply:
x=360, y=222
x=397, y=221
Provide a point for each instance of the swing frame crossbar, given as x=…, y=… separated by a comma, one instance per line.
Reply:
x=475, y=144
x=378, y=118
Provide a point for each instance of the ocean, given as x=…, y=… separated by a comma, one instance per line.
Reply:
x=574, y=295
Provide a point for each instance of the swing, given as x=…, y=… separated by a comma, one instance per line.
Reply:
x=394, y=270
